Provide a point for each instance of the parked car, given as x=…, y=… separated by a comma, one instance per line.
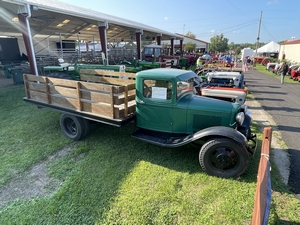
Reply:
x=228, y=86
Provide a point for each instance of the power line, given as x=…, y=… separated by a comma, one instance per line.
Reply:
x=239, y=26
x=269, y=32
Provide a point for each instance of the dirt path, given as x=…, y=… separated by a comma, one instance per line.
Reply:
x=34, y=183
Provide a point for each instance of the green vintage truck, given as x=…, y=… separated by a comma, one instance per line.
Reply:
x=72, y=71
x=163, y=106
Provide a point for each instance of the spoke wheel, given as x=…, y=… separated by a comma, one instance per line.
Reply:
x=223, y=157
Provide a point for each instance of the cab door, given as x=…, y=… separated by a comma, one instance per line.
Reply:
x=155, y=106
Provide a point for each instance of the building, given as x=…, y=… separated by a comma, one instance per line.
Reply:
x=290, y=50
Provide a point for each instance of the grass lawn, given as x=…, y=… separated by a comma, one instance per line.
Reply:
x=111, y=178
x=262, y=68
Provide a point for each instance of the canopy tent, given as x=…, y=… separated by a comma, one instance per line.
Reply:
x=247, y=52
x=271, y=47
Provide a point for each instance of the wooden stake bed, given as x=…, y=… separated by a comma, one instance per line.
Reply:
x=101, y=97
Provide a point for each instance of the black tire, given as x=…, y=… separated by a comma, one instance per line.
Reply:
x=61, y=75
x=72, y=126
x=86, y=127
x=223, y=157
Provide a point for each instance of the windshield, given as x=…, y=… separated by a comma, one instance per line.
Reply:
x=148, y=51
x=185, y=86
x=221, y=82
x=157, y=52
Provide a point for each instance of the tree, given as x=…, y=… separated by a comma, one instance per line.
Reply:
x=189, y=47
x=190, y=34
x=218, y=43
x=231, y=46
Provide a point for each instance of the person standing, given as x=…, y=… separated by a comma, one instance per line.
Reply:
x=284, y=69
x=198, y=63
x=254, y=63
x=245, y=64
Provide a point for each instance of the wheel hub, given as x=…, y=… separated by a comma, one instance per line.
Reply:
x=224, y=159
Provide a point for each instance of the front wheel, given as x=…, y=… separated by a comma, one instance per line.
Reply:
x=223, y=157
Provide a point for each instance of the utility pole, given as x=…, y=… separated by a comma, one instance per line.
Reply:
x=257, y=40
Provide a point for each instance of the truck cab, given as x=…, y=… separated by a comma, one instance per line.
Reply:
x=170, y=114
x=165, y=102
x=154, y=53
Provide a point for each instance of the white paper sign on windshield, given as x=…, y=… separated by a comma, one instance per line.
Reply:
x=159, y=92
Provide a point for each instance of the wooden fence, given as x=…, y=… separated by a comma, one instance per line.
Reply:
x=262, y=201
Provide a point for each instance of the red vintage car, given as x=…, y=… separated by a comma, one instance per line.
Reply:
x=295, y=73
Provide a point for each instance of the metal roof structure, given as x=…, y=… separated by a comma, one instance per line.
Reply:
x=52, y=17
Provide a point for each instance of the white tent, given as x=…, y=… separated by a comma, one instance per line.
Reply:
x=271, y=47
x=247, y=52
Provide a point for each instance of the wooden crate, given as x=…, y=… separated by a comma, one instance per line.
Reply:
x=114, y=101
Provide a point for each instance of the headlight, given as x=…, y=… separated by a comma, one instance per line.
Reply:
x=244, y=108
x=240, y=118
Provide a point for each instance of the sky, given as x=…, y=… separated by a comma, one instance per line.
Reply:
x=237, y=20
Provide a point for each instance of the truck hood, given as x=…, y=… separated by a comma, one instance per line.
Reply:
x=203, y=112
x=200, y=103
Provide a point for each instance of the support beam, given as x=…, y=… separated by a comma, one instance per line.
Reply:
x=158, y=38
x=23, y=16
x=172, y=46
x=138, y=35
x=181, y=46
x=102, y=27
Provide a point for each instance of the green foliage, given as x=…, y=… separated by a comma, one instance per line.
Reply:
x=190, y=34
x=189, y=47
x=218, y=43
x=262, y=68
x=231, y=46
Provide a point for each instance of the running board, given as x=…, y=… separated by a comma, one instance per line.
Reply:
x=162, y=139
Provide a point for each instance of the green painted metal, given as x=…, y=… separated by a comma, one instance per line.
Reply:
x=182, y=114
x=183, y=63
x=74, y=69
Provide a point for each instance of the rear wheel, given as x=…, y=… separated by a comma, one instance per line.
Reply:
x=223, y=157
x=73, y=127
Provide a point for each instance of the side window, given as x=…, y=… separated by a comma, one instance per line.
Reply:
x=185, y=86
x=158, y=89
x=157, y=52
x=148, y=51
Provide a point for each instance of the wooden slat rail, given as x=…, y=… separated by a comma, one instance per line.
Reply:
x=112, y=101
x=262, y=196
